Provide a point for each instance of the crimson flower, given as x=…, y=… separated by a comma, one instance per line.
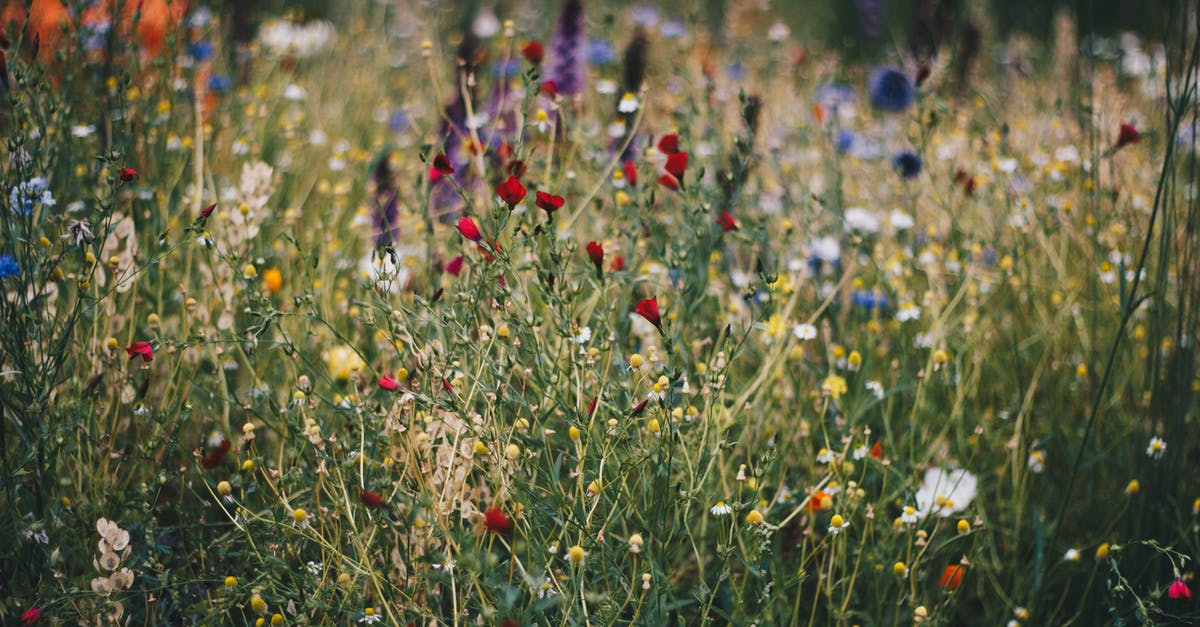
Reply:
x=631, y=173
x=207, y=211
x=669, y=144
x=592, y=406
x=217, y=455
x=1128, y=135
x=142, y=349
x=389, y=384
x=618, y=264
x=668, y=181
x=648, y=309
x=372, y=499
x=511, y=191
x=677, y=164
x=454, y=266
x=496, y=521
x=951, y=576
x=469, y=230
x=877, y=450
x=31, y=616
x=549, y=203
x=638, y=409
x=595, y=252
x=533, y=52
x=441, y=165
x=128, y=174
x=549, y=89
x=727, y=222
x=1179, y=590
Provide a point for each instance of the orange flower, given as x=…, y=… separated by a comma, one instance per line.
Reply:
x=273, y=280
x=820, y=500
x=952, y=576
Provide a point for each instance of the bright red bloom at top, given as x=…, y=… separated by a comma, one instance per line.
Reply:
x=727, y=222
x=648, y=309
x=550, y=203
x=952, y=576
x=441, y=165
x=469, y=230
x=595, y=252
x=1128, y=135
x=1179, y=590
x=142, y=349
x=31, y=616
x=668, y=181
x=496, y=521
x=128, y=174
x=877, y=450
x=549, y=89
x=389, y=384
x=511, y=191
x=372, y=499
x=618, y=264
x=533, y=52
x=631, y=173
x=669, y=144
x=677, y=164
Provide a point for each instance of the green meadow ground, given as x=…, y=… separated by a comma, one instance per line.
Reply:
x=789, y=346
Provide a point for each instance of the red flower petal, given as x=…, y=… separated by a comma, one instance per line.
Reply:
x=468, y=228
x=549, y=203
x=648, y=309
x=511, y=191
x=533, y=52
x=496, y=521
x=140, y=349
x=669, y=144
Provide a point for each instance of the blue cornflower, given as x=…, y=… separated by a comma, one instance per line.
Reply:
x=398, y=121
x=833, y=95
x=201, y=50
x=506, y=70
x=869, y=300
x=737, y=71
x=220, y=82
x=891, y=90
x=908, y=164
x=8, y=267
x=22, y=198
x=600, y=52
x=845, y=141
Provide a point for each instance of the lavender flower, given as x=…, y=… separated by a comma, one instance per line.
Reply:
x=567, y=50
x=383, y=203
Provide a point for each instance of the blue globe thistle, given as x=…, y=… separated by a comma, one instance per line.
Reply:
x=891, y=90
x=8, y=267
x=908, y=164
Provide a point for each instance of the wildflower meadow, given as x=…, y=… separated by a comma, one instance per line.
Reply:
x=584, y=312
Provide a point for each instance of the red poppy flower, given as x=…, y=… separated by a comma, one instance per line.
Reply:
x=549, y=203
x=727, y=222
x=469, y=230
x=677, y=164
x=877, y=450
x=951, y=576
x=595, y=252
x=549, y=89
x=648, y=309
x=128, y=174
x=669, y=144
x=207, y=211
x=372, y=499
x=217, y=455
x=389, y=384
x=631, y=172
x=31, y=616
x=142, y=349
x=818, y=499
x=496, y=521
x=441, y=165
x=1128, y=135
x=511, y=191
x=454, y=266
x=533, y=52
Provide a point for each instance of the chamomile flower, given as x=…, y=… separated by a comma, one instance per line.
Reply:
x=721, y=509
x=804, y=332
x=910, y=515
x=837, y=524
x=876, y=388
x=370, y=617
x=1156, y=448
x=1037, y=462
x=581, y=335
x=629, y=103
x=825, y=456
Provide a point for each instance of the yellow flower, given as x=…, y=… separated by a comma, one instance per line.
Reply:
x=258, y=605
x=576, y=554
x=230, y=581
x=834, y=386
x=754, y=518
x=224, y=489
x=1133, y=487
x=963, y=526
x=899, y=569
x=343, y=362
x=1102, y=552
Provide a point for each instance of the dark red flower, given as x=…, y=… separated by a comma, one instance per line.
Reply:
x=951, y=576
x=217, y=455
x=549, y=202
x=727, y=222
x=677, y=164
x=446, y=385
x=496, y=521
x=648, y=309
x=442, y=166
x=669, y=144
x=1179, y=590
x=469, y=230
x=595, y=252
x=592, y=406
x=128, y=174
x=668, y=181
x=509, y=622
x=31, y=616
x=533, y=52
x=516, y=167
x=618, y=264
x=638, y=409
x=923, y=74
x=207, y=211
x=388, y=383
x=454, y=266
x=1128, y=135
x=631, y=172
x=549, y=89
x=142, y=349
x=372, y=499
x=511, y=191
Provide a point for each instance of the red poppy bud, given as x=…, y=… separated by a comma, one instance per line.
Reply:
x=549, y=202
x=595, y=252
x=648, y=309
x=631, y=172
x=1128, y=135
x=469, y=230
x=31, y=616
x=668, y=181
x=727, y=222
x=677, y=164
x=638, y=409
x=389, y=384
x=128, y=174
x=549, y=89
x=618, y=264
x=207, y=211
x=592, y=406
x=669, y=144
x=496, y=521
x=923, y=74
x=442, y=166
x=454, y=266
x=142, y=349
x=951, y=576
x=511, y=191
x=372, y=499
x=533, y=52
